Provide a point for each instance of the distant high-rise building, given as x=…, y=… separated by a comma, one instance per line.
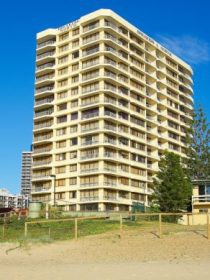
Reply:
x=108, y=101
x=26, y=173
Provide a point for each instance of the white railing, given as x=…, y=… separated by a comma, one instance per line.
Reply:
x=201, y=198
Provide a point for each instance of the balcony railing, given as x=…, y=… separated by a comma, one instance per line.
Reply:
x=44, y=78
x=90, y=27
x=43, y=113
x=43, y=150
x=201, y=198
x=90, y=198
x=43, y=89
x=90, y=115
x=39, y=163
x=89, y=52
x=43, y=101
x=44, y=66
x=45, y=55
x=91, y=142
x=94, y=155
x=43, y=125
x=41, y=138
x=90, y=170
x=46, y=43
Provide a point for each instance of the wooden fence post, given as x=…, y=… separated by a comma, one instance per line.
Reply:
x=121, y=226
x=3, y=231
x=208, y=227
x=75, y=229
x=160, y=225
x=26, y=229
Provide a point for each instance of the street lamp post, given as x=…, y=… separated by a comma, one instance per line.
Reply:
x=53, y=181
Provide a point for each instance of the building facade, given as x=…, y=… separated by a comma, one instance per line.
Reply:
x=108, y=101
x=201, y=196
x=8, y=200
x=26, y=173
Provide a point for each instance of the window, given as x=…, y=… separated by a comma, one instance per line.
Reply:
x=73, y=129
x=74, y=116
x=74, y=103
x=73, y=154
x=63, y=83
x=60, y=169
x=63, y=71
x=63, y=59
x=75, y=66
x=62, y=94
x=91, y=26
x=75, y=32
x=63, y=48
x=90, y=38
x=73, y=168
x=90, y=87
x=75, y=43
x=61, y=144
x=60, y=182
x=64, y=36
x=73, y=181
x=75, y=79
x=75, y=55
x=89, y=181
x=74, y=91
x=73, y=141
x=73, y=195
x=62, y=119
x=61, y=131
x=90, y=62
x=60, y=157
x=62, y=106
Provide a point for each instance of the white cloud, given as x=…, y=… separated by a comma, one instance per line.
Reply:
x=191, y=49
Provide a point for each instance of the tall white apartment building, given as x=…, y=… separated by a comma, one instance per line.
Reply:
x=26, y=173
x=108, y=101
x=9, y=200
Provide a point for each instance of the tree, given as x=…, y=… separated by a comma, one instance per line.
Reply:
x=198, y=139
x=172, y=187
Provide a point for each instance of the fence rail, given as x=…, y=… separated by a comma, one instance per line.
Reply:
x=75, y=227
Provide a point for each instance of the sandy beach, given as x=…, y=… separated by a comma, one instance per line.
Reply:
x=135, y=256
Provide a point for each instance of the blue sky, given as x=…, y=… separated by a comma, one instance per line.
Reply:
x=181, y=25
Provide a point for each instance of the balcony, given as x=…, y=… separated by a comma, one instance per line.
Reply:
x=110, y=127
x=46, y=43
x=43, y=113
x=90, y=27
x=42, y=137
x=110, y=198
x=43, y=90
x=89, y=156
x=89, y=103
x=45, y=55
x=44, y=79
x=45, y=66
x=42, y=150
x=43, y=125
x=90, y=115
x=90, y=170
x=44, y=101
x=89, y=185
x=89, y=143
x=40, y=189
x=41, y=163
x=90, y=198
x=89, y=52
x=110, y=114
x=201, y=199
